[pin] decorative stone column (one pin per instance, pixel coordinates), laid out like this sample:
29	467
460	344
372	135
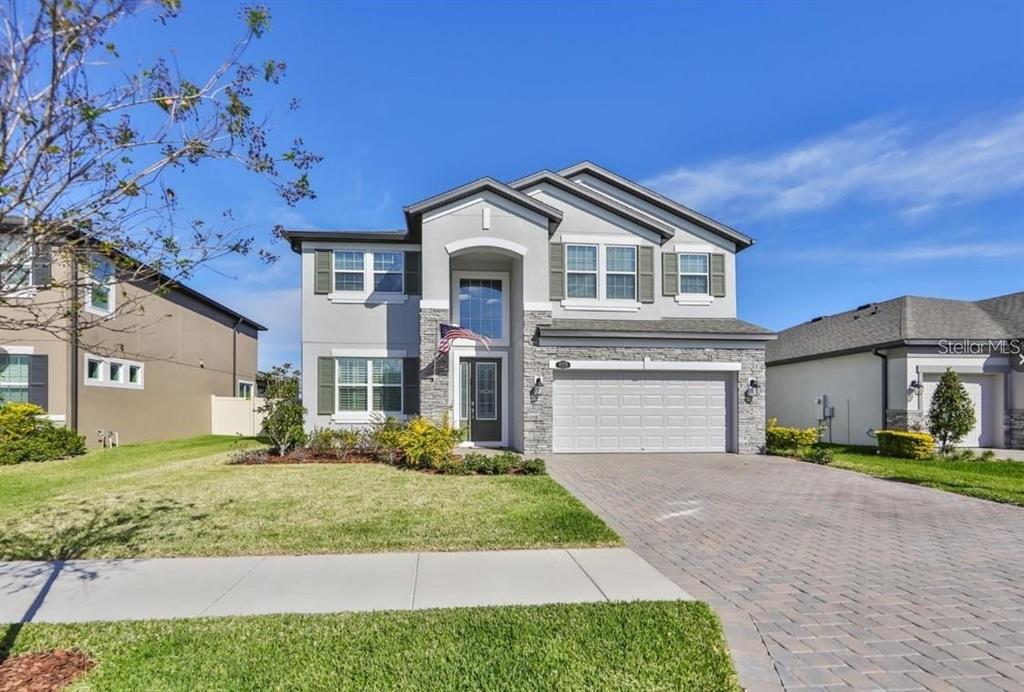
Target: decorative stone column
434	388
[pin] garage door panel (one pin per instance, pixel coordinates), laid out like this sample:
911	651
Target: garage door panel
634	412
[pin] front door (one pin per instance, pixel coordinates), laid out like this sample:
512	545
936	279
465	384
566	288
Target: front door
480	399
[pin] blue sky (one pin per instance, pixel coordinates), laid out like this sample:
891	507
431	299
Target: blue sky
872	149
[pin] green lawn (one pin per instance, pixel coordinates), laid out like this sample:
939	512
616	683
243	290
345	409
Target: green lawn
1002	481
181	498
600	646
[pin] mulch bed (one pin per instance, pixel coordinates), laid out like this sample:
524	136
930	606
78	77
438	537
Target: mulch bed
43	672
302	456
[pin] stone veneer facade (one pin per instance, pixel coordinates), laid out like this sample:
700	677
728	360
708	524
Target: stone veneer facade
1015	429
537	406
896	419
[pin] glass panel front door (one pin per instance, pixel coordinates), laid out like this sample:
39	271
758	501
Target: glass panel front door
481	384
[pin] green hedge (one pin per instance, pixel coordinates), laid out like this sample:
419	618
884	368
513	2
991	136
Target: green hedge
27	435
905	445
788	441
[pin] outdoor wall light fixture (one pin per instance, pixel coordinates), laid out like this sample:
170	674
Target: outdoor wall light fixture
915	388
537	384
753	389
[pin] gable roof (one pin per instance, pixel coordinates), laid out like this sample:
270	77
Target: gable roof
603	201
414	212
907	320
11	223
742	240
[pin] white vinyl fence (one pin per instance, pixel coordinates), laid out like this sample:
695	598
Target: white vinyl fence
235	416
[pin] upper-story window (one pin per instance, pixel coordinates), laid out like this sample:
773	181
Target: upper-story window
388	272
600	272
348	270
481	306
100	297
355	270
693	273
13	378
581	271
620	272
15	262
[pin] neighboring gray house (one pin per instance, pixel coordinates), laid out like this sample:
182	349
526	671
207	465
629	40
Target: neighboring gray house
611	312
901	347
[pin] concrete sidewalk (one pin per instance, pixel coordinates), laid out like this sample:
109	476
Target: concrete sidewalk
84	590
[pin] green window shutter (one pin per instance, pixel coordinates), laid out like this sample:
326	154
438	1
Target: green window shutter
412	273
718	275
411	386
322	261
38	380
556	271
325	386
669	273
41	265
645	265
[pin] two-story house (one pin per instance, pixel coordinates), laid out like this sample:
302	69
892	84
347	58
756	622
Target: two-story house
610	313
133	374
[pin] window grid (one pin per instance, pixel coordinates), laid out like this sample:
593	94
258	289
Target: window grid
369	384
14	373
481	306
694	273
581	271
620	272
389	272
18	275
348	270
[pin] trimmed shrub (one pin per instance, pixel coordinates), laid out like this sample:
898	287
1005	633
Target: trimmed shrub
787	441
533	467
426	444
384	439
819	454
905	445
332	443
475	461
951	414
27	435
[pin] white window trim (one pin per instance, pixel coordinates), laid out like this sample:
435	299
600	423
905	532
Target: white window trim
19	351
602	303
693	298
457	276
456	355
238	385
28	290
367	296
105	380
357	416
111	285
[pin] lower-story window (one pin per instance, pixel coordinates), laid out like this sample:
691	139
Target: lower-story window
13	379
370	384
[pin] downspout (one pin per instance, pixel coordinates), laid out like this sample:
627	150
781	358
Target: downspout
73	403
234	357
885	383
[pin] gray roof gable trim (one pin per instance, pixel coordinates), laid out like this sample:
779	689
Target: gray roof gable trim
742	240
906	320
682	328
296	237
414	212
662	229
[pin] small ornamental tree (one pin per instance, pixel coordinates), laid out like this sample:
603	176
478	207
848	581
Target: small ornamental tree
951	415
284	413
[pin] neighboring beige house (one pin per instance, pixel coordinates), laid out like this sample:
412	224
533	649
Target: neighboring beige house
146	374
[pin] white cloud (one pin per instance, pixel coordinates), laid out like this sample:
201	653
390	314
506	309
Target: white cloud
921	253
880	159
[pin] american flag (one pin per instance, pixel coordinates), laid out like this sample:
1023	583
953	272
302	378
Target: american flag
451	332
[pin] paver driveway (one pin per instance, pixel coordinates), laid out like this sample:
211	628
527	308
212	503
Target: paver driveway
822	576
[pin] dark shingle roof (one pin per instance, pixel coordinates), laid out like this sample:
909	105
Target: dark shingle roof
899	321
695	327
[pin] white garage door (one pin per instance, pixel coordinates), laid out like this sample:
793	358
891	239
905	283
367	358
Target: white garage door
987	398
640	412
